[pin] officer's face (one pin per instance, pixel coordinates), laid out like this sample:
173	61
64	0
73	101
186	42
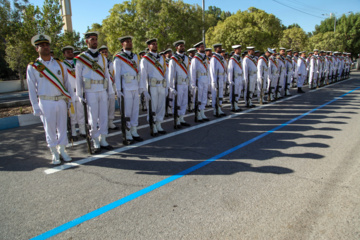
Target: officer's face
208	53
303	55
69	54
282	52
92	42
316	52
181	48
191	54
237	51
153	47
251	52
201	48
127	44
43	49
105	52
168	54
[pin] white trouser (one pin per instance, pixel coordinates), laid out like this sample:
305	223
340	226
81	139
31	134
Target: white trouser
259	87
203	87
340	72
213	92
300	81
272	82
132	101
111	104
158	98
78	116
250	85
182	98
239	86
97	103
282	83
313	78
54	119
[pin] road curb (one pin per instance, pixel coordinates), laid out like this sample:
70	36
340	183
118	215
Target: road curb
18	121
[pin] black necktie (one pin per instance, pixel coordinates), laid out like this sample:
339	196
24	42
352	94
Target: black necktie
94	55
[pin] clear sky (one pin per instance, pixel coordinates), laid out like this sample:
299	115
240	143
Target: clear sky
308	13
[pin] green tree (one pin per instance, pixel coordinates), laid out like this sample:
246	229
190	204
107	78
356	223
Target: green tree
166	20
294	38
19	51
328	41
251	27
347	28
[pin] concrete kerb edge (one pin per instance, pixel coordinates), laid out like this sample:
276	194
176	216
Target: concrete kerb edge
18	121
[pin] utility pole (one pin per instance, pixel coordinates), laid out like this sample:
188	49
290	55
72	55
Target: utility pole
203	21
66	14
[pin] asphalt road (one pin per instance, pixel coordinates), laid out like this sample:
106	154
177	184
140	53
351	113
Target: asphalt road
277	180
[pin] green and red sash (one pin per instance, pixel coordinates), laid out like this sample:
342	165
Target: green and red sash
289	60
126	60
49	75
155	63
281	60
198	57
214	56
91	64
181	65
304	62
71	72
247	56
236	61
274	62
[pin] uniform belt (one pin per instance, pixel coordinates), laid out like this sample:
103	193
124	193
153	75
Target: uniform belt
199	74
129	77
238	74
221	74
52	98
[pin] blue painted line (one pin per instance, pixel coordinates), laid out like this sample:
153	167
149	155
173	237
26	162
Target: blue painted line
9	122
170	179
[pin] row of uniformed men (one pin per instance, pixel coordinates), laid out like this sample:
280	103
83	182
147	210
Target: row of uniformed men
91	79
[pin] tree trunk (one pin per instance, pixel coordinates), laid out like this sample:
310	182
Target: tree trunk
21	80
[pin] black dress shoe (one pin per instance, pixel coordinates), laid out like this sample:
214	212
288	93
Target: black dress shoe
138	139
177	127
185	124
97	150
108	147
205	119
252	106
161	132
83	135
300	90
223	114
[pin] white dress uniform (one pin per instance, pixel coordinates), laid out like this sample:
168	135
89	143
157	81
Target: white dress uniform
217	76
294	62
199	71
301	71
78	116
250	77
289	74
49	103
273	77
153	77
341	66
178	75
111	102
262	75
235	77
127	80
97	89
313	70
282	82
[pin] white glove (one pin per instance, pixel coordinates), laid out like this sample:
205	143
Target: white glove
173	91
82	100
194	88
147	96
119	93
37	112
231	83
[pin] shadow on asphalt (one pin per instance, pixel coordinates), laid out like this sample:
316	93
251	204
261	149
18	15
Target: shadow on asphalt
24	150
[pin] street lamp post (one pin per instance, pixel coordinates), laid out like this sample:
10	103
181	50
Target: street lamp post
203	21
